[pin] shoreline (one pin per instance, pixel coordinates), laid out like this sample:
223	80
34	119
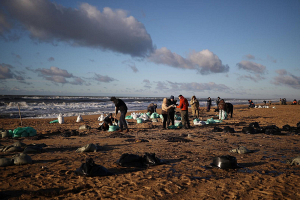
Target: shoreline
188	154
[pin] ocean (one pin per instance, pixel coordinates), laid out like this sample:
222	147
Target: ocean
52	106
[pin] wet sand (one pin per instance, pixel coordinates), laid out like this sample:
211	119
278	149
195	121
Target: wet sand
264	174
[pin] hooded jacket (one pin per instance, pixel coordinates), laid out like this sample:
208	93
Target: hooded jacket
183	104
165	107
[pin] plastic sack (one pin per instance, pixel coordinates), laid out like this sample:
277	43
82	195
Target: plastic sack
129	117
101	118
139	120
178	124
113	128
177	117
89	168
154	115
54	121
60	119
79	118
24	132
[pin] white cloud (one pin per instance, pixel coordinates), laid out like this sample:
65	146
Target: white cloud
5	72
250	57
205	61
102	78
54	71
281	71
287	79
252	67
87	26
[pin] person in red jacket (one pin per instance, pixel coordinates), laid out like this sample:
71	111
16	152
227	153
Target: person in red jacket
184	106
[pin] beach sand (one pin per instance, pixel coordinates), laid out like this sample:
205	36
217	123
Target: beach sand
264	174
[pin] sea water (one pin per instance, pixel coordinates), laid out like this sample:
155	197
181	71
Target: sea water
52	106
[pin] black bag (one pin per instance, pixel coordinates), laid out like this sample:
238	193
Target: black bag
89	168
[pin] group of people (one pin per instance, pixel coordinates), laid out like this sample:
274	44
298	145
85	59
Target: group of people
168	111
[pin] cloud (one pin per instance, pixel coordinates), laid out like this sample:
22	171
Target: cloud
192	87
147	83
16	56
281	71
287	79
5	72
134	69
50	59
255	78
250	57
205	61
270	58
54	71
251	67
49	22
105	79
77	81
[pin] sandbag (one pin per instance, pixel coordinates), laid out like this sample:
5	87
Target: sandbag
79	118
225	162
6	162
54	121
24	132
294	161
60	119
154	115
4	134
129	117
33	149
22	159
90	169
139	120
241	150
130	160
113	128
87	148
151	159
12	148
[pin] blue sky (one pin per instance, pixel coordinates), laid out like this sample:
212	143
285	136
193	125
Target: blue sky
231	49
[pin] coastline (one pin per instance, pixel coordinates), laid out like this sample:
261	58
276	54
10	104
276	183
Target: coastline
264	174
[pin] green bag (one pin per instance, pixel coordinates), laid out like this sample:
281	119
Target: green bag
129	117
113	128
139	120
24	132
54	121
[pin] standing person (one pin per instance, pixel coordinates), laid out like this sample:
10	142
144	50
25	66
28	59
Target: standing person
164	111
222	113
208	104
171	111
184	105
217	101
120	105
195	107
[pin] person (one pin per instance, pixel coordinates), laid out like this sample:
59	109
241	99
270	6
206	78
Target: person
280	101
251	104
171	111
195	107
265	102
120	105
184	105
208	104
151	108
294	102
164	111
108	120
222	112
217	101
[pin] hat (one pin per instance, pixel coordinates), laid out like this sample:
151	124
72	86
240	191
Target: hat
172	97
180	95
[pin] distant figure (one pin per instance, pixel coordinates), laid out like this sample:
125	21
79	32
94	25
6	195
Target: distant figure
171	111
184	106
108	120
264	102
151	108
164	111
195	107
217	101
120	105
251	104
222	112
280	101
294	102
208	104
283	101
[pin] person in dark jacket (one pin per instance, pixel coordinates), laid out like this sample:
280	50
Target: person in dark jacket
120	105
151	108
251	104
218	100
171	111
208	104
184	106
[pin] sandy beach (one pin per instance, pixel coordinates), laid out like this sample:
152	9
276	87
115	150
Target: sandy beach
187	155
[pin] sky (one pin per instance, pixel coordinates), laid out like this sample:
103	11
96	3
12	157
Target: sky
231	49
